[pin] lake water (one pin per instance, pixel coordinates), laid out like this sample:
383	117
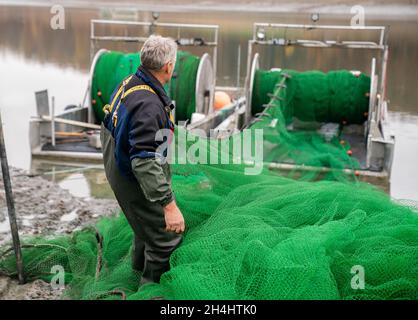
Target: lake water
34	57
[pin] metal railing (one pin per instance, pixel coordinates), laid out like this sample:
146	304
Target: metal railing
317	43
151	26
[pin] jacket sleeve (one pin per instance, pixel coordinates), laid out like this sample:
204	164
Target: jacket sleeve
146	165
152	180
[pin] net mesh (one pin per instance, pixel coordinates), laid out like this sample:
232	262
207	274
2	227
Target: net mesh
262	236
336	96
182	87
255	237
113	66
292	106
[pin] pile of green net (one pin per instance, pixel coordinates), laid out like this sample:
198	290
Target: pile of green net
262	236
113	66
250	237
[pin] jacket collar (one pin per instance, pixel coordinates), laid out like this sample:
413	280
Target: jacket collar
146	76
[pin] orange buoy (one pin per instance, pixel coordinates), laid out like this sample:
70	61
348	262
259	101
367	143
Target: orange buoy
357	173
222	99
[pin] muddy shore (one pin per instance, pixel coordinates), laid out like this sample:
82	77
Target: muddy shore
43	208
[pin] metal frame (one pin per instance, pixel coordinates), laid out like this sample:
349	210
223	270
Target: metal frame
215	118
87	97
317	43
249	92
379	145
151	26
373	94
381	46
199	77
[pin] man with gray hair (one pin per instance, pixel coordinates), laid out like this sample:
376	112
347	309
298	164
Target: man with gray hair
138	175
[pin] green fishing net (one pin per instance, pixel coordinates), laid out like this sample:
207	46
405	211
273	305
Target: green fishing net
336	96
292	108
113	66
249	237
182	87
262	236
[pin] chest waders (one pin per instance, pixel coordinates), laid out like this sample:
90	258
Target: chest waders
152	245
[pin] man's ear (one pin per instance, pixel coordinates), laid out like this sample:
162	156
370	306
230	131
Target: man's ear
167	68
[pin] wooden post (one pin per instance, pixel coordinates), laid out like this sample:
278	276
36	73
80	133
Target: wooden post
11	207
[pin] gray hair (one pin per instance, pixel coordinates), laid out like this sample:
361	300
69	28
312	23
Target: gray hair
157	51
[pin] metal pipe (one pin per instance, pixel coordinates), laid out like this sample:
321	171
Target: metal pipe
187	25
215	56
373	93
11	207
159	24
138	23
92	41
238	65
53	121
142	39
72	122
382	37
307	26
248	81
321	44
382	84
354	44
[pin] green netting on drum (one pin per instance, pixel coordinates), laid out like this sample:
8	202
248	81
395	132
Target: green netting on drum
112	67
335	96
182	88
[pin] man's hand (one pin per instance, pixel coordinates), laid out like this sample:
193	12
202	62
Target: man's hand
174	220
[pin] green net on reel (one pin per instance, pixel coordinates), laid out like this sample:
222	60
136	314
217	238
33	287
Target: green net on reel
264	83
305	146
335	96
113	66
262	236
182	86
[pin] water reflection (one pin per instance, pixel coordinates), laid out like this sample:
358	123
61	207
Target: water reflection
80	180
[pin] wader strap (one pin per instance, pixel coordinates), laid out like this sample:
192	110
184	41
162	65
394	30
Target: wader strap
124	95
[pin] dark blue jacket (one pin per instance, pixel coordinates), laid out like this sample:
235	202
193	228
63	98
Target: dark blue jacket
139	107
